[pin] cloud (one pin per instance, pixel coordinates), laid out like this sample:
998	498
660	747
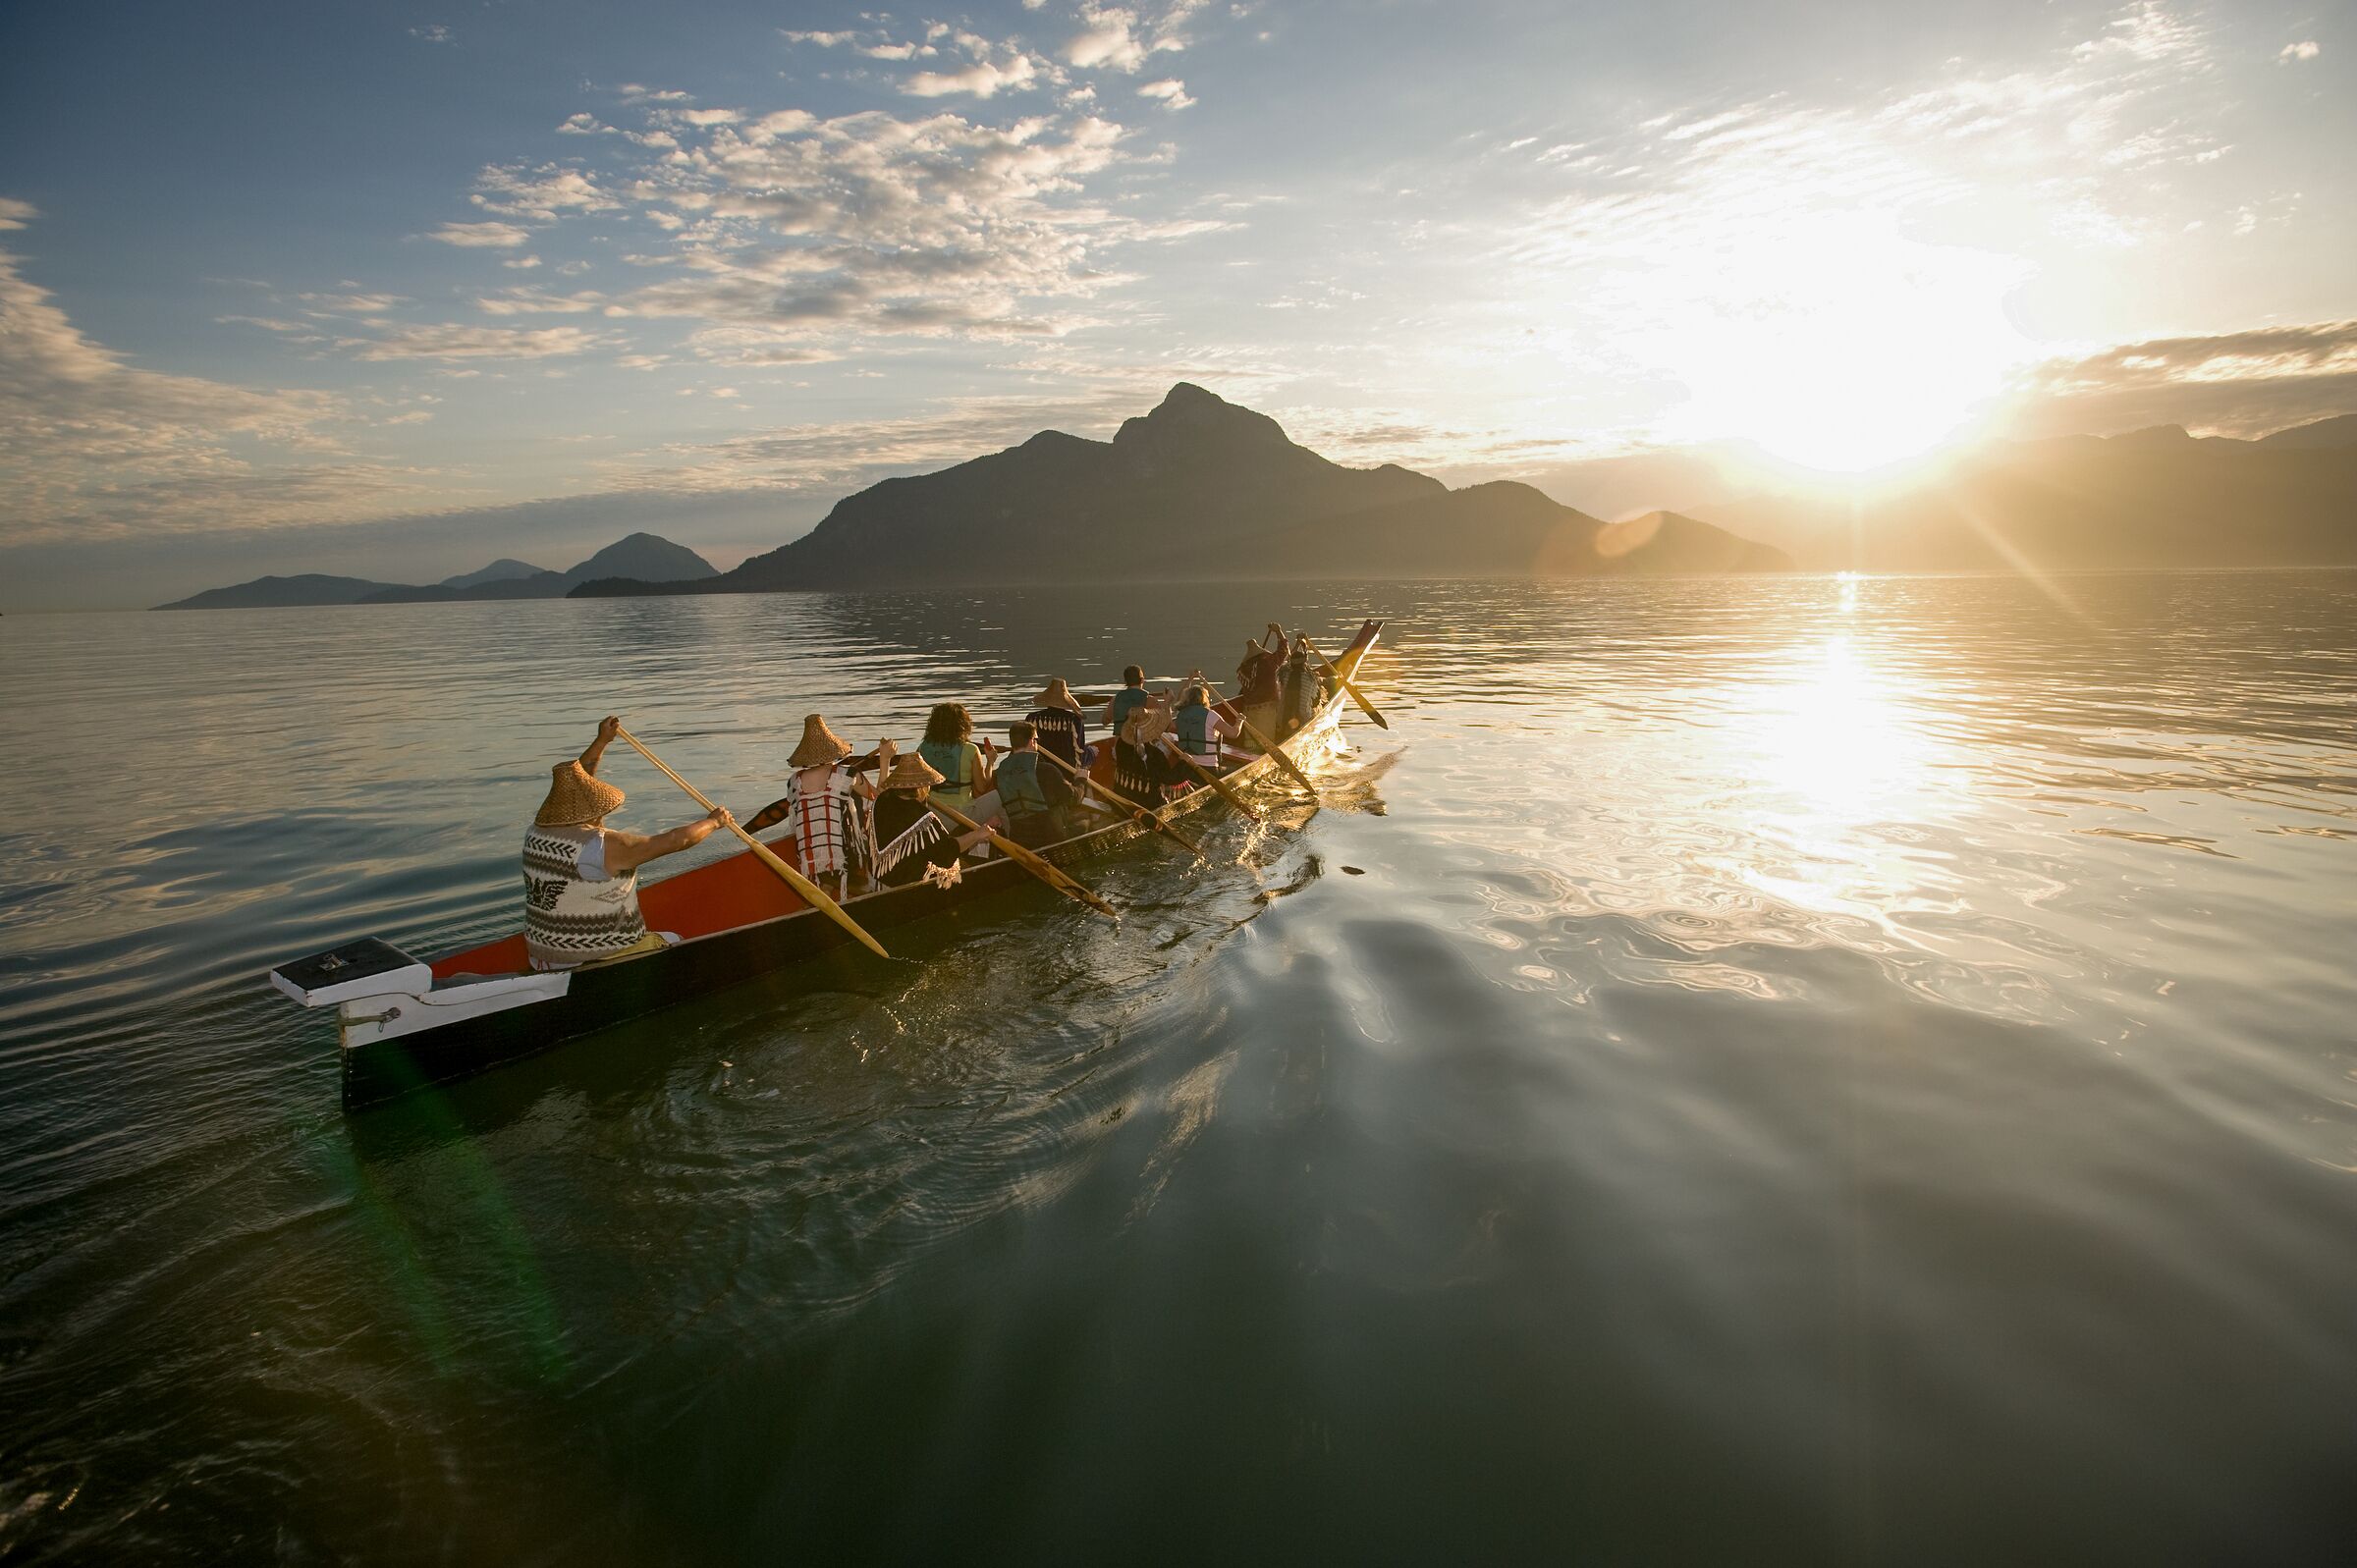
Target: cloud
2239	383
435	32
544	192
984	79
501	236
1171	91
1107	39
2305	49
93	448
797	232
452	341
14	214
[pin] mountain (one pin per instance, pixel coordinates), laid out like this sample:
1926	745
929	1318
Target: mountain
2339	431
643	557
500	571
279	593
1199	486
2151	498
638	557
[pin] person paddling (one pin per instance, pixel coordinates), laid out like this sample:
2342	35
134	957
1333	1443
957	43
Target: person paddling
1032	792
1126	701
1257	678
1199	726
1063	729
580	877
912	838
1140	767
948	747
827	807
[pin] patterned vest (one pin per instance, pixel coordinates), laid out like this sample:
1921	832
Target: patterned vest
830	828
569	919
1020	792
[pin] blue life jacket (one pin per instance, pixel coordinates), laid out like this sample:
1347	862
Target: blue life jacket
1125	702
1020	792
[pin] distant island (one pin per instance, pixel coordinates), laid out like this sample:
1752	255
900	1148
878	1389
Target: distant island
2158	497
642	556
1201	487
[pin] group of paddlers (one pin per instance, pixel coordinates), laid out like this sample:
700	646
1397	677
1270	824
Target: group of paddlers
853	832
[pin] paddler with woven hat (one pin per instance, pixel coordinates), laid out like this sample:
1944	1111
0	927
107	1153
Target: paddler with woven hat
1060	725
910	838
1141	770
826	807
581	877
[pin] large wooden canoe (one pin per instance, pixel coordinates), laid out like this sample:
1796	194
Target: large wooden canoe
405	1022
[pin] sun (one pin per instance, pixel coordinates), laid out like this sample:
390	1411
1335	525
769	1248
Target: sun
1836	343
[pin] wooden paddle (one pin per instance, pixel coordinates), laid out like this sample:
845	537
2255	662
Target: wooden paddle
1030	861
1152	819
813	894
1343	682
1266	747
1220	785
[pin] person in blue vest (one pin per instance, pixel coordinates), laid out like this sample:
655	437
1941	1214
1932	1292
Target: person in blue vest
1200	727
1033	794
1132	696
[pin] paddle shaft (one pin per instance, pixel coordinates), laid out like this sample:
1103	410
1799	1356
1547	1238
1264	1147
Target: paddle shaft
1154	818
1029	861
1345	683
1215	782
813	895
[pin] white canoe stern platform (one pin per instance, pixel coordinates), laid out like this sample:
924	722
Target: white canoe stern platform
383	992
390	1016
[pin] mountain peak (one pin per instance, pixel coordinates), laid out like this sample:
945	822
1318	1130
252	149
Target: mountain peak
1190	417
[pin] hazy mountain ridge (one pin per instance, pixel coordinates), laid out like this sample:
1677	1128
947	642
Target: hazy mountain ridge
643	557
1199	487
2157	496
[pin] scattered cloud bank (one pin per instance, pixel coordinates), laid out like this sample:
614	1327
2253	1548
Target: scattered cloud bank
92	448
2237	384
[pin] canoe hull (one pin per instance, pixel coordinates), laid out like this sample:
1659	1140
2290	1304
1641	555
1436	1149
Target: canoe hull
394	1046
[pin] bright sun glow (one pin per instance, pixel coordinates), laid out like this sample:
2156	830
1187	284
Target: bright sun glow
1833	340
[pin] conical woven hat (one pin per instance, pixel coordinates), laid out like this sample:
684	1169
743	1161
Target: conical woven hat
1149	724
820	745
912	772
575	796
1058	696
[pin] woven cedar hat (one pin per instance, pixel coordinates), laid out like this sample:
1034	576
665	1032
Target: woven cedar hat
1058	696
909	771
575	796
1149	724
820	745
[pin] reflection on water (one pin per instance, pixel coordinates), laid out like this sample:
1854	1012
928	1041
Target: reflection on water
1822	1068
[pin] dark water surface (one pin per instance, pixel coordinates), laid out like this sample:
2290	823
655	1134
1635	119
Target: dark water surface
1786	1071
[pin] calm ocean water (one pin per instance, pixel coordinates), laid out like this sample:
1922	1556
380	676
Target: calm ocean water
1797	1070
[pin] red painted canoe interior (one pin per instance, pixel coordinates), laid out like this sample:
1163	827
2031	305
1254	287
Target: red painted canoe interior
727	893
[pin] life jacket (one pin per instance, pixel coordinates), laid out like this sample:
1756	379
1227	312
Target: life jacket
959	764
1125	702
1020	792
569	919
1195	738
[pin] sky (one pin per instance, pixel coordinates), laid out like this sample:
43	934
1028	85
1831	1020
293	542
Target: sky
388	289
